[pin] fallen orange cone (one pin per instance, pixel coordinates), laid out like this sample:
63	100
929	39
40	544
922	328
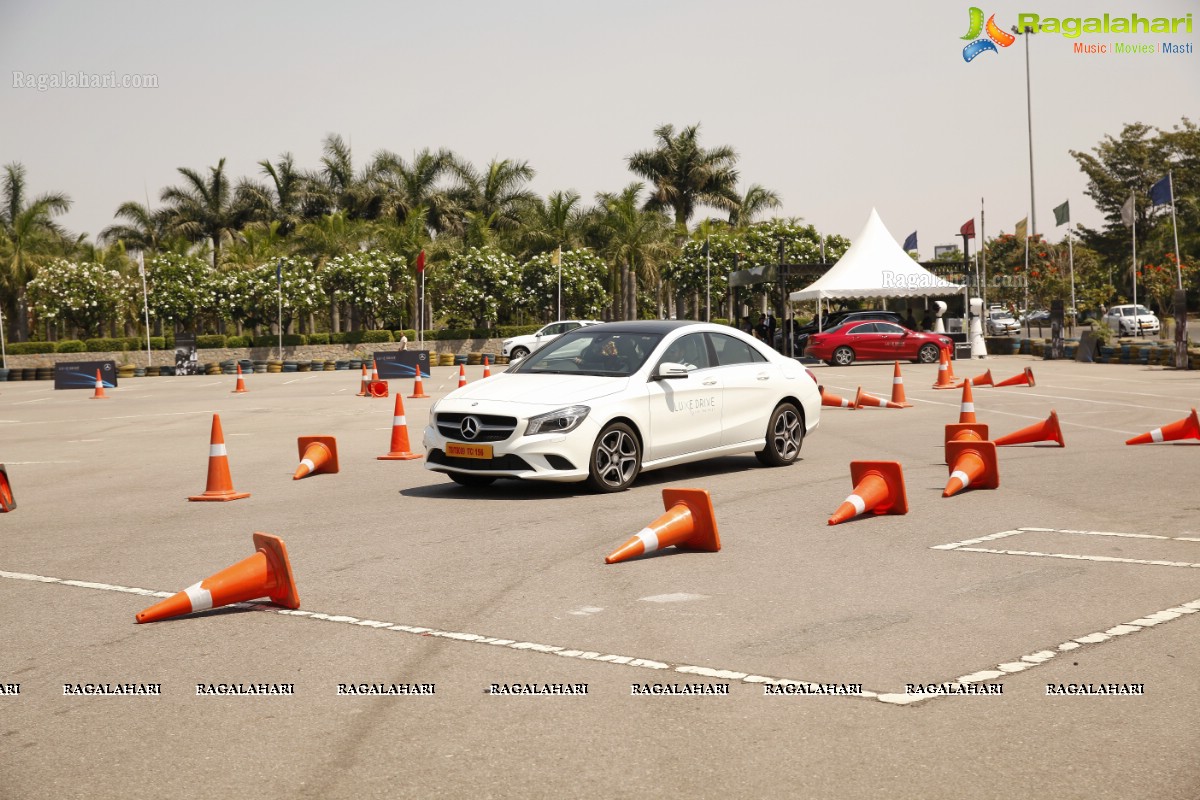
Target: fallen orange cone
220	485
418	386
377	388
964	432
878	488
7	503
400	446
462	376
317	454
1048	430
1023	379
971	464
945	376
867	399
689	522
1186	428
898	397
99	393
240	388
966	410
828	399
267	573
983	380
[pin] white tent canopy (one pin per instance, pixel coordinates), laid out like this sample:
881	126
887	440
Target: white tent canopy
875	266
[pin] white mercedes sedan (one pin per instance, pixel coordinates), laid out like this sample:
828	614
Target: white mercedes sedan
605	402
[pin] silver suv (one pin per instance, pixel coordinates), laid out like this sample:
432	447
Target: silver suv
521	346
1131	320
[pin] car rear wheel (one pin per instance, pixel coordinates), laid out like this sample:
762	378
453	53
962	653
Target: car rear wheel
467	479
928	354
519	352
616	459
785	436
843	356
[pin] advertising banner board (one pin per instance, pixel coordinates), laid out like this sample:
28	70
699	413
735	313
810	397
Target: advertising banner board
82	374
402	363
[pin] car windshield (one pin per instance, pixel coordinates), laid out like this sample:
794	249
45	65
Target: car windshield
1140	311
587	352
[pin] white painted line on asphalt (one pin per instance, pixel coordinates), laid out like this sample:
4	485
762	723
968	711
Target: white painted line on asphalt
82	441
678	597
27	402
584	611
39	462
965	546
1074	557
459	636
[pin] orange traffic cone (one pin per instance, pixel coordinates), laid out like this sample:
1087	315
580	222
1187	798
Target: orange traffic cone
400	445
963	432
898	397
966	411
462	376
1038	432
1024	379
317	454
828	399
689	522
878	488
945	377
984	380
418	387
7	503
971	464
487	368
267	573
99	393
377	388
241	382
866	399
362	389
1186	428
220	485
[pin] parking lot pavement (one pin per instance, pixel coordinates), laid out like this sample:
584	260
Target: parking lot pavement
918	649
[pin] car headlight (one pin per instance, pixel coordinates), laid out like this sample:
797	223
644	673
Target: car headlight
561	421
506	342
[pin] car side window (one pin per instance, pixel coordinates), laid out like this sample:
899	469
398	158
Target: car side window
887	327
690	350
733	351
552	330
866	327
567	326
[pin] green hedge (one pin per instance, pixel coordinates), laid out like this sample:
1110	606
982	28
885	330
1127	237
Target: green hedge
237	341
361	337
462	333
318	338
103	345
508	331
70	346
162	342
377	337
289	340
411	333
29	348
210	341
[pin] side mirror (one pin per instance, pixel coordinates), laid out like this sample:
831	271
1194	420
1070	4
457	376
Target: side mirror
669	370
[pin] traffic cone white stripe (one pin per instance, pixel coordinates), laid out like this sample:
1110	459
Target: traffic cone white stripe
859	505
307	462
649	539
963	477
968	408
399	421
1156	435
897	381
215	450
200	598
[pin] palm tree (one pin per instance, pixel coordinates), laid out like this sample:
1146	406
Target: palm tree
637	242
208	208
283	200
335	186
407	187
498	195
327	237
685	175
145	230
28	236
756	200
557	221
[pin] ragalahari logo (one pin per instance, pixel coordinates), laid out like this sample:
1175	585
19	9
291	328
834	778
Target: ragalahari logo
995	36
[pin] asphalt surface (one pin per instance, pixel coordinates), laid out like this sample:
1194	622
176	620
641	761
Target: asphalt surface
405	578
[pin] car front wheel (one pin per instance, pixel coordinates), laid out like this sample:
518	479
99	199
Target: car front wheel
519	352
928	354
843	357
785	436
616	459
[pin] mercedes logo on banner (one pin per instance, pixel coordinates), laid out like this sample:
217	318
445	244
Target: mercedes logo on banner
469	428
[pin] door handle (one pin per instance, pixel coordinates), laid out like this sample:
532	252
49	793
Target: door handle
710	382
762	376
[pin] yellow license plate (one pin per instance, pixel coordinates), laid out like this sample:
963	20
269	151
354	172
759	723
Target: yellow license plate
468	450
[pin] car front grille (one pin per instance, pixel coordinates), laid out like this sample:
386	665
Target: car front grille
492	427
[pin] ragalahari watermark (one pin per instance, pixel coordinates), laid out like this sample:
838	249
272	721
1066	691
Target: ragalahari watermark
44	81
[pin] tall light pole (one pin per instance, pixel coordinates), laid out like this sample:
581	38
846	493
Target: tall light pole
1027	32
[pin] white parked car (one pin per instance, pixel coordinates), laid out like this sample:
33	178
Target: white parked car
521	346
1129	320
1001	323
605	402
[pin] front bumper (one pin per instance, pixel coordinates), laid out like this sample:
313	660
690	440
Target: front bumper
544	457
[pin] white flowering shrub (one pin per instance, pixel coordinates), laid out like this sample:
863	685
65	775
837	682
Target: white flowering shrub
482	284
378	284
583	279
178	288
83	296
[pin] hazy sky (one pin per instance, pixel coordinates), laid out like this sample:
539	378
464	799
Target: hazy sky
837	106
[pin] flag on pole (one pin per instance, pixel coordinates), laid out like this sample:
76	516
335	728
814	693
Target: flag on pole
968	229
279	272
141	264
704	250
1127	212
910	243
1062	214
1160	193
556	257
1022	228
421	261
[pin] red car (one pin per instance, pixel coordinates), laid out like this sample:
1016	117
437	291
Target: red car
876	341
